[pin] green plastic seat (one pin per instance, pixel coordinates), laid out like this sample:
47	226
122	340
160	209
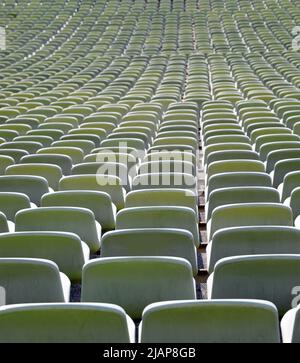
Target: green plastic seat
65	249
62	161
237	179
239	165
27	280
212	321
290	182
149	279
55	134
30	146
95	139
165	181
232	155
109	184
8	135
253	240
282	168
162	197
150	242
65	323
74	153
11	203
52	173
165	166
98	202
124	142
129	160
5	162
44	140
85	145
4	226
249	214
264	277
266	139
279	155
227	139
266	149
80	221
159	217
237	195
32	186
104	168
266	131
225	147
190	141
53	126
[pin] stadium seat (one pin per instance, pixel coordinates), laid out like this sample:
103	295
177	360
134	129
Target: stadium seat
63	161
29	280
80	221
5	162
32	186
251	240
65	249
11	203
65	323
212	321
150	242
237	179
159	217
236	195
98	202
249	214
162	197
149	279
52	173
109	184
264	277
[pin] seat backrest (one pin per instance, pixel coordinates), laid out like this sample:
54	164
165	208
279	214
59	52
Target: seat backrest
150	242
238	179
75	153
63	161
235	195
159	217
65	249
109	184
98	202
80	221
52	173
5	161
253	240
11	203
228	166
232	155
266	149
282	168
33	186
65	323
278	155
165	180
149	279
290	182
250	214
263	277
221	321
162	197
28	280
